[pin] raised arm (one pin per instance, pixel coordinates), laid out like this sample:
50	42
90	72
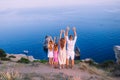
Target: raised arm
67	30
54	39
60	34
74	30
64	32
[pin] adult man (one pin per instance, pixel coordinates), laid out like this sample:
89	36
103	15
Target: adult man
70	46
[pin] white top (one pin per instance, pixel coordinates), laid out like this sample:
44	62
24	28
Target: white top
71	43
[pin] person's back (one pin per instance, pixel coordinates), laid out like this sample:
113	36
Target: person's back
50	48
55	55
62	51
71	43
50	52
70	46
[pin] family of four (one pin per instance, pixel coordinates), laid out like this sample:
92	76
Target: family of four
59	53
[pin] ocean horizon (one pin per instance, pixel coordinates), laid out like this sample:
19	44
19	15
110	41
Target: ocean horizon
97	24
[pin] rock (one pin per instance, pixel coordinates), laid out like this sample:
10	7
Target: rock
117	53
77	53
19	56
1	62
87	60
117	73
90	61
35	64
31	58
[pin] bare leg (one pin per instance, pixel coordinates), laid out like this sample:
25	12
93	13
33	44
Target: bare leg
49	61
60	66
54	64
63	66
67	63
72	63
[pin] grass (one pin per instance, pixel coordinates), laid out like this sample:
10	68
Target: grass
13	75
5	59
77	61
12	56
94	70
41	61
107	64
47	76
23	60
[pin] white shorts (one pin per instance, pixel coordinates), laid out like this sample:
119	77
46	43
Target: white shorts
50	54
70	54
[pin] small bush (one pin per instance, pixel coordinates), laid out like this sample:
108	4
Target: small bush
23	60
41	61
12	56
77	61
5	59
2	53
37	61
107	64
116	70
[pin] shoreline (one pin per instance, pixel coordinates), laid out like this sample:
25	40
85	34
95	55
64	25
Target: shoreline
33	58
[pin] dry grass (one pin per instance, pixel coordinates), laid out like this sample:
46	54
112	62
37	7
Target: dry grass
10	75
47	76
94	70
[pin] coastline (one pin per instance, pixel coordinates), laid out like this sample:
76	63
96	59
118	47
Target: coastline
42	71
24	66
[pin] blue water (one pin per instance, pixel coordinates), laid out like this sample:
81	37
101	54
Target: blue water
98	30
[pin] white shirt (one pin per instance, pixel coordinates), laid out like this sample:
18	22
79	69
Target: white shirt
71	43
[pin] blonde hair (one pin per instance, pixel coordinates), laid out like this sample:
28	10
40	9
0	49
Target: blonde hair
55	47
50	45
62	43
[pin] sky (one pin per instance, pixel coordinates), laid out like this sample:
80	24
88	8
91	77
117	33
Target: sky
16	4
26	10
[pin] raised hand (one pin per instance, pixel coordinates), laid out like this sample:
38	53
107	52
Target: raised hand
74	29
68	28
54	38
63	31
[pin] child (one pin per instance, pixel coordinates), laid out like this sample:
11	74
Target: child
50	52
55	55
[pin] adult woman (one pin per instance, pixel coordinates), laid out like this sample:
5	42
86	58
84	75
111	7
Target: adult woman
62	50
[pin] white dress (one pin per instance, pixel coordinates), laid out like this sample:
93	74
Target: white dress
62	56
50	54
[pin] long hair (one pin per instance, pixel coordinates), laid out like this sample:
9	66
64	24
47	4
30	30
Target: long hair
55	47
50	45
62	43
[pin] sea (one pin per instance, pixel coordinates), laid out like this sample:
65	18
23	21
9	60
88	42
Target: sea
98	29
